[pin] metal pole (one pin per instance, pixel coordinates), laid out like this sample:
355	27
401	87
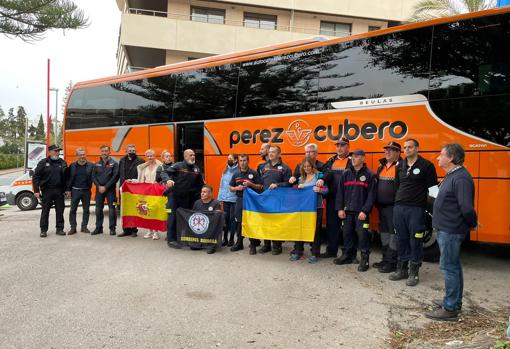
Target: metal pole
26	144
48	120
56	113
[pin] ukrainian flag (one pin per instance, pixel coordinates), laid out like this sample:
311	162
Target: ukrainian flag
286	214
143	206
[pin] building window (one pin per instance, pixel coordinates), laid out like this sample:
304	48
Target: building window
255	20
335	29
372	28
207	15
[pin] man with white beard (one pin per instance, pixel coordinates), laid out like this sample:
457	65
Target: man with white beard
184	182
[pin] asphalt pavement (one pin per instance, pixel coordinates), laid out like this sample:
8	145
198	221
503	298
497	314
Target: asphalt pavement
103	291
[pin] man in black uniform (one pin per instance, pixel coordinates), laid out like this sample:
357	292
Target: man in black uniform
414	176
49	182
333	170
185	182
207	203
244	178
127	170
274	174
79	184
386	190
105	176
354	201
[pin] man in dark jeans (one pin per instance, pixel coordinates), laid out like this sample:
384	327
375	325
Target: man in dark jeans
453	216
105	176
128	170
79	184
49	182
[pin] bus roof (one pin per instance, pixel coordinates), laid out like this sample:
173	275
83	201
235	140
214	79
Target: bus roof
271	50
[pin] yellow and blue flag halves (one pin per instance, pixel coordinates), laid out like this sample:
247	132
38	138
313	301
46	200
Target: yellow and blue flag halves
286	214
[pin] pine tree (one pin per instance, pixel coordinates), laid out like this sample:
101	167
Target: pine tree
40	133
30	19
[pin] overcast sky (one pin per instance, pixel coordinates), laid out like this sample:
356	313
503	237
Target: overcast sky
75	55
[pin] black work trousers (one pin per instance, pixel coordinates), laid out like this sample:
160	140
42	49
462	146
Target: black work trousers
78	195
174	202
111	198
52	196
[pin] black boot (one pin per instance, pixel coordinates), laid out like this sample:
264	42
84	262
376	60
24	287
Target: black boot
277	248
231	240
401	272
413	278
266	247
345	258
388	267
238	246
225	238
363	264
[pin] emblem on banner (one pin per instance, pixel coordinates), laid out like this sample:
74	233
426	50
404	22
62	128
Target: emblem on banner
198	223
142	207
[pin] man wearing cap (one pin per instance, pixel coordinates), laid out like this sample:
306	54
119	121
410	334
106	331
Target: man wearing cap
333	170
105	176
49	182
386	190
414	176
354	201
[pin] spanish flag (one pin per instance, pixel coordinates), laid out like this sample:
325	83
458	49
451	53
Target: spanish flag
143	206
286	214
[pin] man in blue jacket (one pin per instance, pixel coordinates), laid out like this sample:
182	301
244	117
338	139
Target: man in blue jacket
79	183
105	176
354	200
453	216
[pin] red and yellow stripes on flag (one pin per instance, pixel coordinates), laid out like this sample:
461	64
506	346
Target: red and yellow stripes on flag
143	206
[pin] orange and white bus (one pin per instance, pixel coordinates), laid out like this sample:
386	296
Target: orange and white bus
445	80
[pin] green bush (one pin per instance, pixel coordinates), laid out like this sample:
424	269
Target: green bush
9	161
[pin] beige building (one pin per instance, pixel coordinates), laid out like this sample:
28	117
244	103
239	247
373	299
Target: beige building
159	32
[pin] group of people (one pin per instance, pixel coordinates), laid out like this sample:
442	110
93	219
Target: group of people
347	189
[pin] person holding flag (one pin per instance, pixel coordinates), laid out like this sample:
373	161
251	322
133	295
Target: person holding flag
274	174
184	183
309	175
147	172
244	178
207	203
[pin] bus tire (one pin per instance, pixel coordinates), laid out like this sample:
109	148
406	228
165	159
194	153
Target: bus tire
431	252
26	201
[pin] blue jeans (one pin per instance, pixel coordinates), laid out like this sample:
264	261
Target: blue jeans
450	266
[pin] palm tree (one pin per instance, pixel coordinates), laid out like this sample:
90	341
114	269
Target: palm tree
429	9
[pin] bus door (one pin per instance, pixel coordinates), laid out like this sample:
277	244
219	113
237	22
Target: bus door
190	136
